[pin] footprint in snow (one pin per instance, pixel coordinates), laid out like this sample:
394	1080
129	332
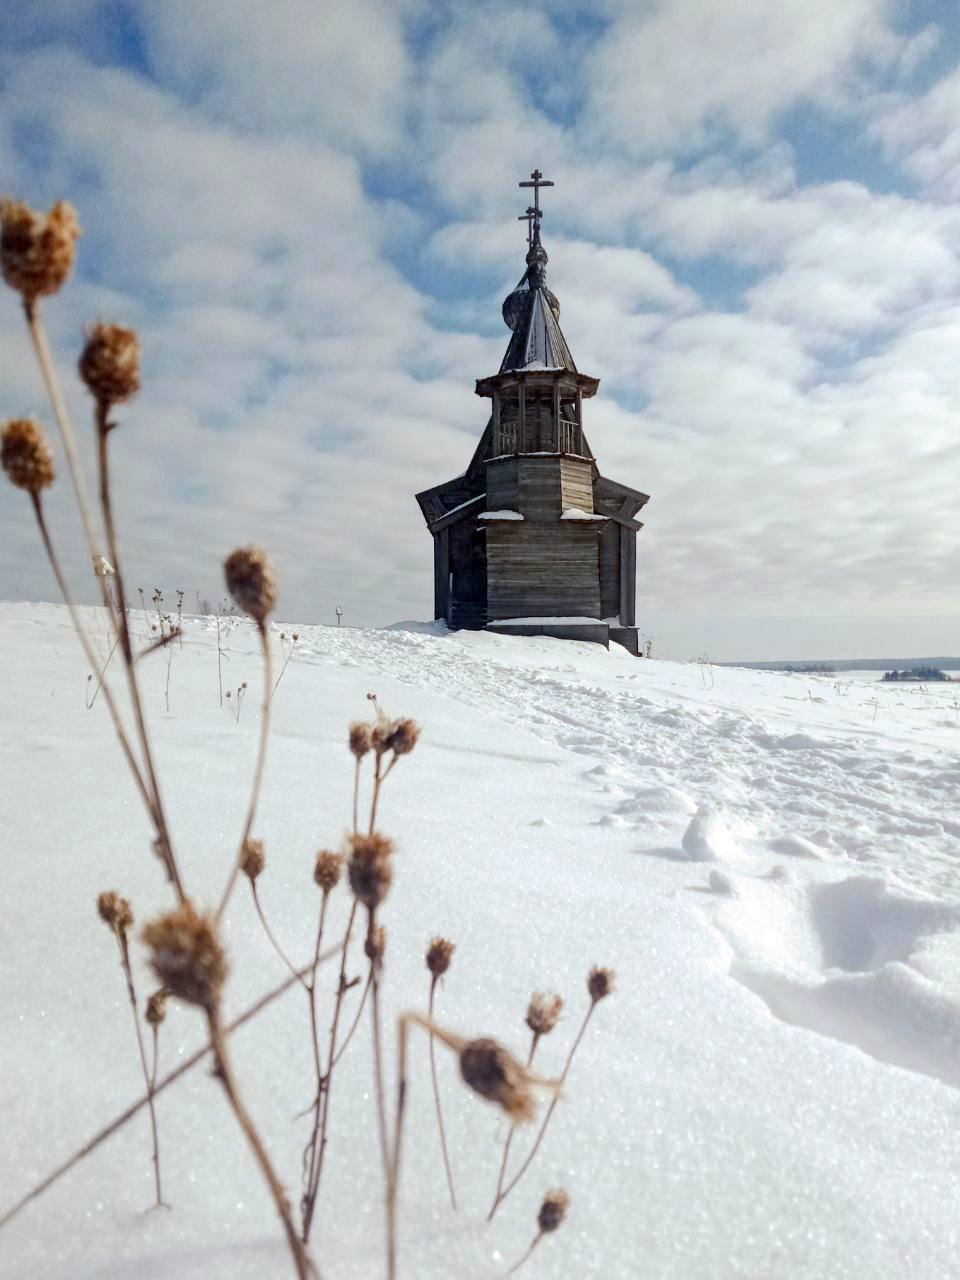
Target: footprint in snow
858	960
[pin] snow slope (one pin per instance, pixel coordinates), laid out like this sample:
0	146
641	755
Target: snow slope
771	863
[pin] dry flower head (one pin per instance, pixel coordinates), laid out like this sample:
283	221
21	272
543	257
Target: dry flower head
599	983
110	363
26	456
251	582
375	945
553	1210
251	858
156	1008
369	868
360	738
439	954
327	869
402	737
490	1070
115	911
36	249
543	1012
187	956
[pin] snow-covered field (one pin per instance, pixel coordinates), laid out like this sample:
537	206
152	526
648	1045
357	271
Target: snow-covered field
771	864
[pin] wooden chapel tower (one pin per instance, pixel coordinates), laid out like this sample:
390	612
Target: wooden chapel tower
532	539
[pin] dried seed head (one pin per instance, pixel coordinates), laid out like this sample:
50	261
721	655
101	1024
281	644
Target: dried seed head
369	868
27	458
375	945
36	249
110	363
379	733
553	1210
328	869
251	582
402	737
439	954
156	1007
251	859
543	1012
497	1076
599	983
360	741
115	911
187	955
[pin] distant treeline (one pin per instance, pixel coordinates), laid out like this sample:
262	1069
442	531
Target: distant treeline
918	674
851	664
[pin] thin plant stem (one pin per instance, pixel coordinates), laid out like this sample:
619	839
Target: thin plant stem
506	1146
41	348
311	1150
356	796
124	1117
517	1265
148	1078
219	659
258	768
224	1071
378	1054
546	1119
310	1199
126	649
103	671
272	940
436	1098
393	1174
286	663
378	780
354	1024
90	656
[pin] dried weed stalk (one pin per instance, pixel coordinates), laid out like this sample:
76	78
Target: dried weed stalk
117	914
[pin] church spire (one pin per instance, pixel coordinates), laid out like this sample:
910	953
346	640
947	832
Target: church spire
531	310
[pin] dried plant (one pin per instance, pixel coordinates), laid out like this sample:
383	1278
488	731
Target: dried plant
438	957
599	986
287	654
488	1069
186	944
117	914
543	1013
553	1210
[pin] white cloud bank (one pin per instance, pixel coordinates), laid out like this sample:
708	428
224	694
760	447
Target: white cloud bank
309	214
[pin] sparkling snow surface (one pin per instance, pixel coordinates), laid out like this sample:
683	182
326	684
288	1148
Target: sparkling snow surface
771	864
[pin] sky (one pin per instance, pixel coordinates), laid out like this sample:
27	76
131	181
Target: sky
309	211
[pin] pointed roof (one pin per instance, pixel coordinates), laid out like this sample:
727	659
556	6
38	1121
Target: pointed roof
533	313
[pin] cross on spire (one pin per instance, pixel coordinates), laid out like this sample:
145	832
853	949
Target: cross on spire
536	213
528	219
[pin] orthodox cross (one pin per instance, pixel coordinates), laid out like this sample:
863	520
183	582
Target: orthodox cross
534	214
528	219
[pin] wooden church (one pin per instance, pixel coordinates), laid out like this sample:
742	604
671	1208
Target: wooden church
532	539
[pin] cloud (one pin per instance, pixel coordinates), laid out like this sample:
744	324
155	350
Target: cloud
682	73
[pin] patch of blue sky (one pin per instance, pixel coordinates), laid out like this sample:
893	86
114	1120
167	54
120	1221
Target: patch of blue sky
128	46
720	282
554	84
913	16
827	148
630	398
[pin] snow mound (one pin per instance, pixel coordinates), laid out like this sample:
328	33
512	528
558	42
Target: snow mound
707	839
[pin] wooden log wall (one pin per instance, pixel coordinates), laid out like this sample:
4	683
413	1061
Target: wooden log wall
542	570
576	484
